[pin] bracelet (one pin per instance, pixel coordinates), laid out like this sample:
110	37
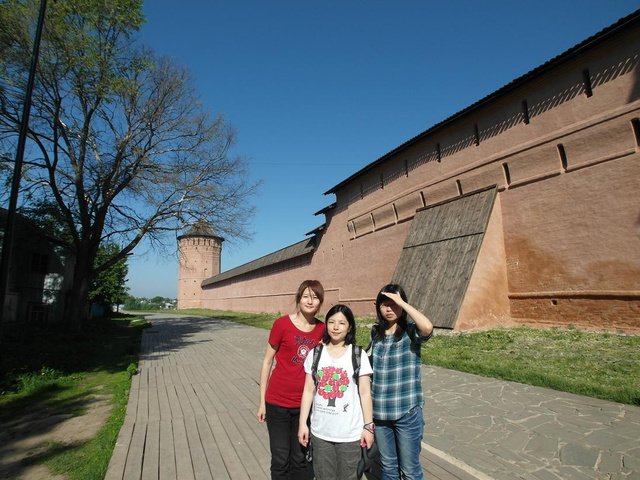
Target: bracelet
370	427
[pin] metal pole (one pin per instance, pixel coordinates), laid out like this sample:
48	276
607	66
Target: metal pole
7	241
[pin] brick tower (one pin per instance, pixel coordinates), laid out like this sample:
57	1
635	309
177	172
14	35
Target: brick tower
199	258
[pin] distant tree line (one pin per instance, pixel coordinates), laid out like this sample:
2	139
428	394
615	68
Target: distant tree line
142	303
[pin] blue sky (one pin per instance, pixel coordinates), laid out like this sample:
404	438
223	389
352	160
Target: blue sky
317	90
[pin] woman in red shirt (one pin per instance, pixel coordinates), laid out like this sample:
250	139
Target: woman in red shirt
292	337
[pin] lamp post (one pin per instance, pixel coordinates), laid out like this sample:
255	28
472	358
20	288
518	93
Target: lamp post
7	241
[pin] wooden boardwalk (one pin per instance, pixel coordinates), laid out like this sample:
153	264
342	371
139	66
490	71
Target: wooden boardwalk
191	410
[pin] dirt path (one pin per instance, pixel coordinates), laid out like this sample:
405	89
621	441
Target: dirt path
26	441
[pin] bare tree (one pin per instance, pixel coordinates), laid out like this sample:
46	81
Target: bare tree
118	139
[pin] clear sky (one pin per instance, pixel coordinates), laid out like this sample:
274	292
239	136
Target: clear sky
319	89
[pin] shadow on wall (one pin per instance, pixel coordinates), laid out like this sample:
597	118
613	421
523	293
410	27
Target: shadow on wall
634	94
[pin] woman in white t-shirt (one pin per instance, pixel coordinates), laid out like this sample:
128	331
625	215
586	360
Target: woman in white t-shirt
342	415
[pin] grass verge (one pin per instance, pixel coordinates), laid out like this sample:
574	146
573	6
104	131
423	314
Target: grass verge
55	373
594	364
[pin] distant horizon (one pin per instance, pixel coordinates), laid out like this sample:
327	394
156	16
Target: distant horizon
318	93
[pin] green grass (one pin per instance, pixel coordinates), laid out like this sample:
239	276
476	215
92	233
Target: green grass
600	365
594	364
60	373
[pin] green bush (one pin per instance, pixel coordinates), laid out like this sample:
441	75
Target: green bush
34	382
132	369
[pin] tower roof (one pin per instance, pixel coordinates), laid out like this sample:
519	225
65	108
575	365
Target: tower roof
201	229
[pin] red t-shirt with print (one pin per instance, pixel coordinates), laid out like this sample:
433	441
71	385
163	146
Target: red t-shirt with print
292	346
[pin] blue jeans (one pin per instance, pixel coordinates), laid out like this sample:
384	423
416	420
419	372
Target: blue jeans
287	455
399	442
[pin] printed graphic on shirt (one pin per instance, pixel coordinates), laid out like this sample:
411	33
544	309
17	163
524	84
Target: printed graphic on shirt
333	383
304	345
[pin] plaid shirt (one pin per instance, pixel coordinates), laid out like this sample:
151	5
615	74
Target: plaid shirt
397	386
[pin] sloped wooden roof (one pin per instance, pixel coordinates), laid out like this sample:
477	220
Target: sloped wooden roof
440	253
292	251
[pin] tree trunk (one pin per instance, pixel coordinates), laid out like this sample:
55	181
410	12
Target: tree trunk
76	309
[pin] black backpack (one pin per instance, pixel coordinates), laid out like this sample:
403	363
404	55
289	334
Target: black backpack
356	351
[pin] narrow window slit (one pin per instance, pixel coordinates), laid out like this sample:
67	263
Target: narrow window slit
635	125
507	174
563	157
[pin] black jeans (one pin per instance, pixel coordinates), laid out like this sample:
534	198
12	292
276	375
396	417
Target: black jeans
287	455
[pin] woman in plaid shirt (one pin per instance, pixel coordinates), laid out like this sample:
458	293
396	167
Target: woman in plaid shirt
397	386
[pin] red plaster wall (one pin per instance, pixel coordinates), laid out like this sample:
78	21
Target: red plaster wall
573	246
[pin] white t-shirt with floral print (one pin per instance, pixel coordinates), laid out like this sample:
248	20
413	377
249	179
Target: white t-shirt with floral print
336	415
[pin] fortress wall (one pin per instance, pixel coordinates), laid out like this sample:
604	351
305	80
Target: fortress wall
273	291
562	149
350	271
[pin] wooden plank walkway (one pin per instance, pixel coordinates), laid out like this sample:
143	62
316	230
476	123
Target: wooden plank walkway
191	410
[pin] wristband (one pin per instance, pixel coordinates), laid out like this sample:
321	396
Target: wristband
370	427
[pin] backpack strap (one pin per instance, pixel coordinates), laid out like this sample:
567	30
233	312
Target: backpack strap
369	349
356	360
317	351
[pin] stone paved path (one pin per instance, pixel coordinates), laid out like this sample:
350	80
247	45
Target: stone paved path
508	430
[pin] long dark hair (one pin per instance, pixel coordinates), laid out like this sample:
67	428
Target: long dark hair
382	324
346	311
